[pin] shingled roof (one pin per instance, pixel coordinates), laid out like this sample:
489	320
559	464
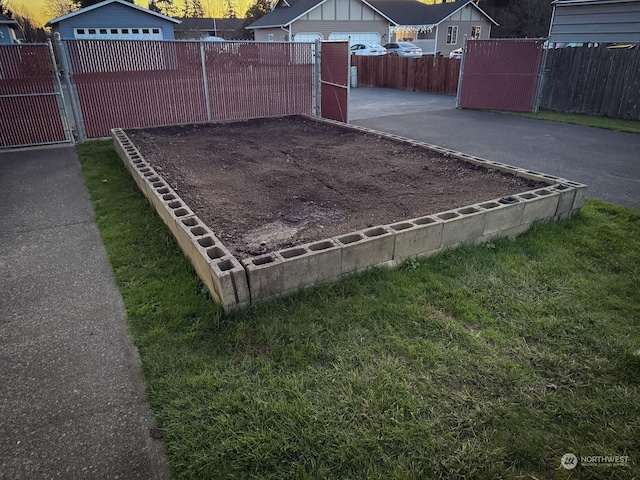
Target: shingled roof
398	12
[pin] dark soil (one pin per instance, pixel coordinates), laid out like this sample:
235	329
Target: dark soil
266	184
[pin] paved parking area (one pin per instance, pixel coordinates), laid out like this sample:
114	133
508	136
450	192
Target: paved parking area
607	161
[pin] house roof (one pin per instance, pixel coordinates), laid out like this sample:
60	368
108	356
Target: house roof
397	12
220	24
286	12
4	20
411	12
108	2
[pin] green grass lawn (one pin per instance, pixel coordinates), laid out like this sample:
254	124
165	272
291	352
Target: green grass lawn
441	369
629	126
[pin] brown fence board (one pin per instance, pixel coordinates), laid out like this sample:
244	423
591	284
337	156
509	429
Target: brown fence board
427	74
593	81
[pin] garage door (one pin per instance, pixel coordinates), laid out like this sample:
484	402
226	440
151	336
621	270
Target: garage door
371	37
146	33
307	37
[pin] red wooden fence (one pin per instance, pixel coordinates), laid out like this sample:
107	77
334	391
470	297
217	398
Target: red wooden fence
435	74
334	80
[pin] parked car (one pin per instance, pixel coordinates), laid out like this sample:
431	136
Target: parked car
212	38
403	49
368	49
457	53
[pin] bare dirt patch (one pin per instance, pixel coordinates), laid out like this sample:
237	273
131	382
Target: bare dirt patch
266	184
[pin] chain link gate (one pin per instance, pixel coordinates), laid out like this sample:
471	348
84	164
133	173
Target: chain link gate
501	74
32	109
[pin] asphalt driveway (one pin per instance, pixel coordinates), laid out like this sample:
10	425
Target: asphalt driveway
607	161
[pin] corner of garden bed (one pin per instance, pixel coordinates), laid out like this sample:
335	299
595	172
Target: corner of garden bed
237	283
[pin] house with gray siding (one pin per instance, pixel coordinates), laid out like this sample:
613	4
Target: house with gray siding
114	20
595	21
438	28
9	29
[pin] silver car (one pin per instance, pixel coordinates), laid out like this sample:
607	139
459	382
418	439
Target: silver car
403	49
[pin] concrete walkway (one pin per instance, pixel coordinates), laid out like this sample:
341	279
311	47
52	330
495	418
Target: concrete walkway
607	161
72	401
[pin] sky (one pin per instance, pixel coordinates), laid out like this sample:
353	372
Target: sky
36	9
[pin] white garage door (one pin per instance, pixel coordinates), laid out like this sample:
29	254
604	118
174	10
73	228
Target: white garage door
371	37
142	33
307	37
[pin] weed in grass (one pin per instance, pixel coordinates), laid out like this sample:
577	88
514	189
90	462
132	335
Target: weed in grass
436	370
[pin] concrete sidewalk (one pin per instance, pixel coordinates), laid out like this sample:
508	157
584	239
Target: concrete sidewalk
607	161
72	403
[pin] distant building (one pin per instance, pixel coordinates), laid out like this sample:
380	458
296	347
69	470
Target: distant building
9	31
208	27
114	20
595	21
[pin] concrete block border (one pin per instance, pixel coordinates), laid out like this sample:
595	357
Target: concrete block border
237	283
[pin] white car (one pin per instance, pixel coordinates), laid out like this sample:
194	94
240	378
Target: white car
368	49
403	49
457	53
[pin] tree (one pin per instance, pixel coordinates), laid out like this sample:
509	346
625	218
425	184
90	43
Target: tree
258	10
57	8
193	9
4	10
230	11
520	18
165	7
88	3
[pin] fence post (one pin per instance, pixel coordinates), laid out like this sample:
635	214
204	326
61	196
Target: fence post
460	75
541	78
73	95
316	78
62	107
204	81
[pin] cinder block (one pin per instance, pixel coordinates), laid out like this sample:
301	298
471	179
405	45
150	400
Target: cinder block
366	248
501	215
581	194
230	281
265	276
464	225
539	205
565	201
310	264
419	237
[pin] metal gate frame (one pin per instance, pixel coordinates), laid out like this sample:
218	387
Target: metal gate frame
334	85
32	111
511	88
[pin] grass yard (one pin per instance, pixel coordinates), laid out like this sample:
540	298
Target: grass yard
443	369
629	126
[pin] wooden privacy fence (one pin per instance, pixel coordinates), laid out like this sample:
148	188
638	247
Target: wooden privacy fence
435	74
593	81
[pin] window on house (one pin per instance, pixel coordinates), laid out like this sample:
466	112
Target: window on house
156	30
103	31
125	31
114	31
452	35
80	31
91	31
135	31
475	31
271	37
145	31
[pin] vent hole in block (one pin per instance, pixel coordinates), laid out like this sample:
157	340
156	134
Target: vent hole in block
424	221
168	197
489	205
181	212
163	190
448	216
174	205
528	196
375	232
321	246
351	238
190	222
294	252
206	242
215	252
225	265
467	211
198	231
262	260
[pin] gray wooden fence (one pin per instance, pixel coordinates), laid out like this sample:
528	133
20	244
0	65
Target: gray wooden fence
593	81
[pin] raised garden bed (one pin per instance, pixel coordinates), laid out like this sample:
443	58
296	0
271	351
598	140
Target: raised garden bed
267	206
